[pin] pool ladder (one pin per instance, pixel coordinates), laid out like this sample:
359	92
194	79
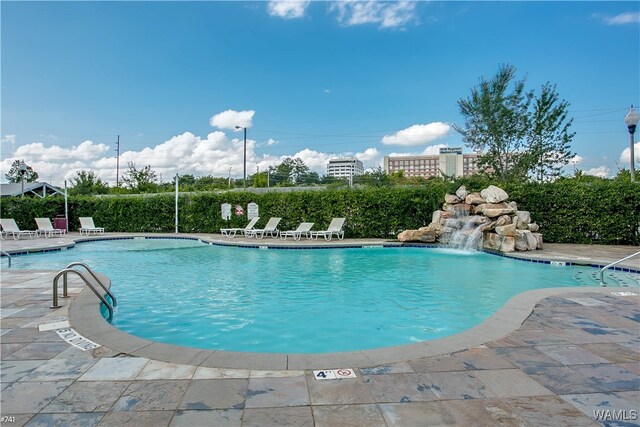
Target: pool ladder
8	255
65	294
612	264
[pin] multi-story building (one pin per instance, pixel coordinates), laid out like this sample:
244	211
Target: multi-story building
451	162
344	168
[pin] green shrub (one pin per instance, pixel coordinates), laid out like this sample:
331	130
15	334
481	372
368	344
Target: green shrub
568	210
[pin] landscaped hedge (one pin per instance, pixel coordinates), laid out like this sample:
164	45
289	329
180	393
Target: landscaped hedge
568	211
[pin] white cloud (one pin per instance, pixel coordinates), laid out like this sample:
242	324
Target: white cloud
288	9
625	156
600	171
433	149
386	14
11	139
183	154
417	134
621	19
38	152
230	119
576	160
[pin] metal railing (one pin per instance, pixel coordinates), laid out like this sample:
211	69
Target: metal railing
8	255
90	271
65	293
612	264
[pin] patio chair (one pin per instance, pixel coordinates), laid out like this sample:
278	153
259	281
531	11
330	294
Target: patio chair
334	228
231	232
271	228
46	228
303	229
87	226
9	227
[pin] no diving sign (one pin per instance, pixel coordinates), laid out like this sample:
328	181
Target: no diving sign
334	374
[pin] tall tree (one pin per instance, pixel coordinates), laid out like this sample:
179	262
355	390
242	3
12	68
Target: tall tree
549	136
290	171
141	180
15	174
516	132
87	182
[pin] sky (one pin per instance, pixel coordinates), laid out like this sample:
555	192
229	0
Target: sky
314	80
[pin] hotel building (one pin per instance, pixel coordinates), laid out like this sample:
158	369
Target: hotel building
345	168
450	162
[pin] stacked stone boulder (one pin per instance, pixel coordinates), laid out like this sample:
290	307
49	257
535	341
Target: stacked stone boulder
504	228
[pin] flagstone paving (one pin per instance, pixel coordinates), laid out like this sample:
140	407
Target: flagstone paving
576	355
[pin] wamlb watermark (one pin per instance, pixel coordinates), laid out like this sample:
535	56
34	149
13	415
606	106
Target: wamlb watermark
615	415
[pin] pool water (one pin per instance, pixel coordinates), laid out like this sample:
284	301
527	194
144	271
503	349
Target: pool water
186	292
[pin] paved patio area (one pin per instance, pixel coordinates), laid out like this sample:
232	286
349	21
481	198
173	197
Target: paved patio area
574	361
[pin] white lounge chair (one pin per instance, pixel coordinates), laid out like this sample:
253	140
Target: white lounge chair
9	227
304	229
334	228
231	232
46	228
271	228
87	226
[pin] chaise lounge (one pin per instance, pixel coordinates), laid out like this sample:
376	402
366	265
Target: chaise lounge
87	226
46	229
303	229
271	228
334	228
9	227
231	232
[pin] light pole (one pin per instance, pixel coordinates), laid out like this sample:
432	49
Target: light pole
23	170
631	120
229	177
244	179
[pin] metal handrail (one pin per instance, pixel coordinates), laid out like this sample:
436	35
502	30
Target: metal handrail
64	273
612	264
8	255
81	264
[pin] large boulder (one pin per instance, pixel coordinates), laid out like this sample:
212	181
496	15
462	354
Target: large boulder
426	236
474	199
503	220
451	199
506	230
494	210
538	237
439	216
462	192
493	194
525	241
524	216
498	243
462	209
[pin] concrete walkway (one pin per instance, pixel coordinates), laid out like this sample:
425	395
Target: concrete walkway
574	361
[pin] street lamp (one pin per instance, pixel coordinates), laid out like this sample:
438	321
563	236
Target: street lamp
23	171
244	180
631	119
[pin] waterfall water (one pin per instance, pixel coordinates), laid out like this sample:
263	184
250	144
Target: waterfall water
467	235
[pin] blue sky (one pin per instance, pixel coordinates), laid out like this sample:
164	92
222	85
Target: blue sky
308	79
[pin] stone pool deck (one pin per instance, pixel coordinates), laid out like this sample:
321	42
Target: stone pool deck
577	352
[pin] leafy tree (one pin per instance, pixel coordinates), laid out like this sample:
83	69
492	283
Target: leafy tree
290	171
549	135
375	178
15	174
187	179
87	182
142	180
516	132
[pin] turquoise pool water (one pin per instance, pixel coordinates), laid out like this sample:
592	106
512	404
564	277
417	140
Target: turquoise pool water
185	292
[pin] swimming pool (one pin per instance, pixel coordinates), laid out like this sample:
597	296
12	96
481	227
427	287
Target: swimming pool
185	292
